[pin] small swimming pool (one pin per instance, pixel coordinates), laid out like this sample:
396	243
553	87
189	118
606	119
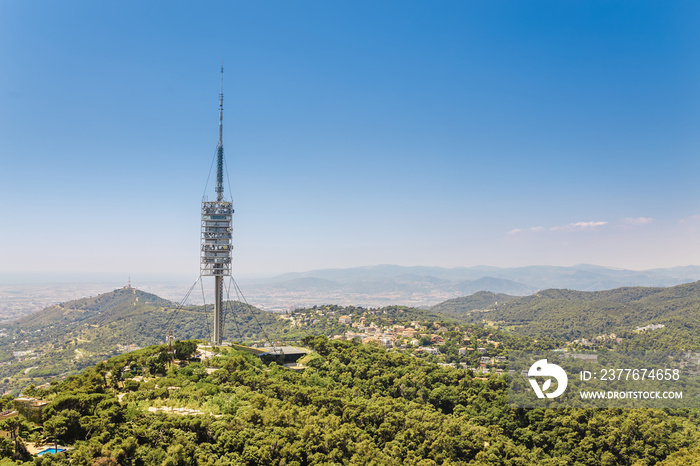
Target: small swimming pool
50	450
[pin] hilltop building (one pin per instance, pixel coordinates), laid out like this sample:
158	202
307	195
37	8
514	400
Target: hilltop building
30	408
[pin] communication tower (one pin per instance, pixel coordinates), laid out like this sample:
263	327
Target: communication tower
217	222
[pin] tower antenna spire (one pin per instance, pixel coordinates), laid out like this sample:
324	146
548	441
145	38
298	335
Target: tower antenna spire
220	145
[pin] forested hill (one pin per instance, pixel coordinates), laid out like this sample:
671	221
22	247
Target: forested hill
106	307
480	300
129	316
571	315
354	404
65	338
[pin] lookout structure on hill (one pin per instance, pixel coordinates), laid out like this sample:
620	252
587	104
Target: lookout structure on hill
217	227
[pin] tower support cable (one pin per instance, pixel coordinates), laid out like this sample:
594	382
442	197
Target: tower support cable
171	318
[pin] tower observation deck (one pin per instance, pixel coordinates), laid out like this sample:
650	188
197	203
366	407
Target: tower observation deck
216	238
217	228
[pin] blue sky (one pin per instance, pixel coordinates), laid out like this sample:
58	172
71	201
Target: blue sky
451	133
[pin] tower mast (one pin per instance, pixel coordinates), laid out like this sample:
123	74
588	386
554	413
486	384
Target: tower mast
216	230
219	278
220	145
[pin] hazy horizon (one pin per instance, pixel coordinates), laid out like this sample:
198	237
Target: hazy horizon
135	278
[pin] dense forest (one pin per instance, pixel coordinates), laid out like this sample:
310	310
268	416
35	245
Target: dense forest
356	404
388	386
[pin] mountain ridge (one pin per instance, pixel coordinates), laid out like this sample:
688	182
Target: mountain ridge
536	273
570	314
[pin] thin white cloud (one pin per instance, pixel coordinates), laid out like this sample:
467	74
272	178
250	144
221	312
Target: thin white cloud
579	226
638	220
526	230
691	219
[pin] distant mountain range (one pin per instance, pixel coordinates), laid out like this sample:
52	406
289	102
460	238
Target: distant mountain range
579	277
382	285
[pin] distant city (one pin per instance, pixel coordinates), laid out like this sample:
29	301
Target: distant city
20	299
368	287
